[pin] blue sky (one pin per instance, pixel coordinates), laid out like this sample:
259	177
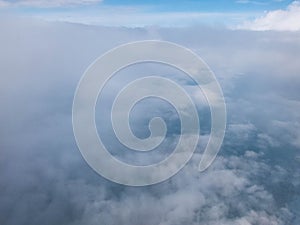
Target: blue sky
203	6
143	13
164	5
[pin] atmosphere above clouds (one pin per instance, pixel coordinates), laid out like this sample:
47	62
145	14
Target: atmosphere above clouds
239	14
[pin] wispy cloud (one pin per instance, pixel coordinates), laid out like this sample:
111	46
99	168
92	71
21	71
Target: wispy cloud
252	2
130	17
46	3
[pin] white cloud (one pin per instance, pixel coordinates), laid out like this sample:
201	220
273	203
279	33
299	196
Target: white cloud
46	3
281	20
136	17
251	2
40	65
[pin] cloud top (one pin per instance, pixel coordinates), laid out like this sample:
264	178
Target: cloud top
281	20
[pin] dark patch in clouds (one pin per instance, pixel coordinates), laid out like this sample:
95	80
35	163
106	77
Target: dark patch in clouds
44	180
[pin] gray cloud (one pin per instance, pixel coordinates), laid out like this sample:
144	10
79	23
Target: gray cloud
44	180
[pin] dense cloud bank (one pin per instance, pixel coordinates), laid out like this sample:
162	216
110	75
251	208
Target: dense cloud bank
44	180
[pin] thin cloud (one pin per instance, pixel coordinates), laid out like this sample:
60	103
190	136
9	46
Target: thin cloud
46	3
251	2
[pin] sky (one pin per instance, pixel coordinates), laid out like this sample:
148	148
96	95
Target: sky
161	13
255	178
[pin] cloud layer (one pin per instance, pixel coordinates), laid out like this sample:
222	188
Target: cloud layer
44	179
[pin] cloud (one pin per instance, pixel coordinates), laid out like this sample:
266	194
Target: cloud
46	3
44	179
281	20
251	2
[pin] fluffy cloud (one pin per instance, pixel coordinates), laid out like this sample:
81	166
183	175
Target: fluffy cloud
44	180
282	20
